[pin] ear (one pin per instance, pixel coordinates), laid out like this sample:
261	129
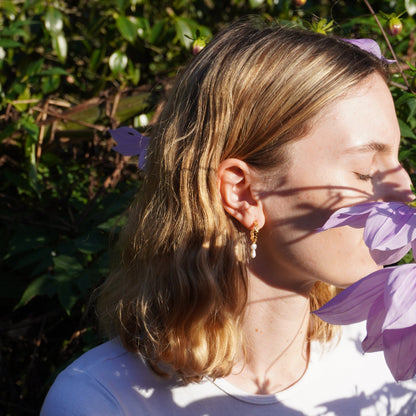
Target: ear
235	183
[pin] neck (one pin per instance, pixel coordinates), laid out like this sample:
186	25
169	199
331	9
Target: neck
275	330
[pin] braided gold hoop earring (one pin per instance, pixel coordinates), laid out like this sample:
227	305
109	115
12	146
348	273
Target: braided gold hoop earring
253	238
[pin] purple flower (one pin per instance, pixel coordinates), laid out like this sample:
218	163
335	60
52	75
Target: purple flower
389	228
130	143
371	46
387	300
387	297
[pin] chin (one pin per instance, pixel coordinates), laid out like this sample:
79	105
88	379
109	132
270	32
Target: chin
357	275
344	275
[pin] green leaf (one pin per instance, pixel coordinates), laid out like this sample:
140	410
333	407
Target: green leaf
143	27
127	28
66	266
133	73
30	152
27	123
109	225
8	131
408	96
122	4
24	95
156	32
405	130
411	104
50	84
10	43
39	259
256	3
204	32
412	67
91	243
34	68
32	129
96	58
26	239
18	87
67	296
53	71
43	285
184	32
14	29
405	154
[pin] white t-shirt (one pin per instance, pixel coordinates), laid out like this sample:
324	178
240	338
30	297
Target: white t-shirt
108	380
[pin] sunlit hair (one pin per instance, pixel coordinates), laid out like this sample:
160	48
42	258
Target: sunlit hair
178	295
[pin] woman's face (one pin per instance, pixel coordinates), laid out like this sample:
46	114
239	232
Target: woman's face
349	156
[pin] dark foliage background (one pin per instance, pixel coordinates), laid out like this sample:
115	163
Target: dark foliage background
69	71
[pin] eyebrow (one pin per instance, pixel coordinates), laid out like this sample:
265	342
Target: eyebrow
369	147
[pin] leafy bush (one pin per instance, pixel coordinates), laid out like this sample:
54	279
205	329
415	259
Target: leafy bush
69	70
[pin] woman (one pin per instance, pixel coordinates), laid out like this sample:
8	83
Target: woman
267	132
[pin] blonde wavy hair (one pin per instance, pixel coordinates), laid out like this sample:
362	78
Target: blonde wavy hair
178	294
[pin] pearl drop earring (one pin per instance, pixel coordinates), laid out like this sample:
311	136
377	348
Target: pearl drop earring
253	238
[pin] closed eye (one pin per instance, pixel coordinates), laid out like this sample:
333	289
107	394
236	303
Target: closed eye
363	177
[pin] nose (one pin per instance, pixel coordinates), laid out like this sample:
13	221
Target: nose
393	185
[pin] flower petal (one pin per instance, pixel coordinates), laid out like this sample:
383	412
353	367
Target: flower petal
354	303
392	228
374	339
389	227
376	219
130	143
389	256
354	216
400	297
413	245
371	46
400	352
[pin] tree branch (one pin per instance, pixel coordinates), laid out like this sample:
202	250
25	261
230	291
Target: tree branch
367	3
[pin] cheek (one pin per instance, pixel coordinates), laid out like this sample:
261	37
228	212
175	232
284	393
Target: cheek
341	256
341	241
305	212
311	207
289	239
327	247
310	218
338	256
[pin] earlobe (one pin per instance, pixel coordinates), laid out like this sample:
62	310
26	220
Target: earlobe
235	184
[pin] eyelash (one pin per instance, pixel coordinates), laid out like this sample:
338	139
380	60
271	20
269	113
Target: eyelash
363	177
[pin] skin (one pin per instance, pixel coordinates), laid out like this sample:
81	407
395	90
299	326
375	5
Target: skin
349	156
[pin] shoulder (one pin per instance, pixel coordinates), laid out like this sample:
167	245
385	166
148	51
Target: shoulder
108	380
90	384
347	359
356	381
